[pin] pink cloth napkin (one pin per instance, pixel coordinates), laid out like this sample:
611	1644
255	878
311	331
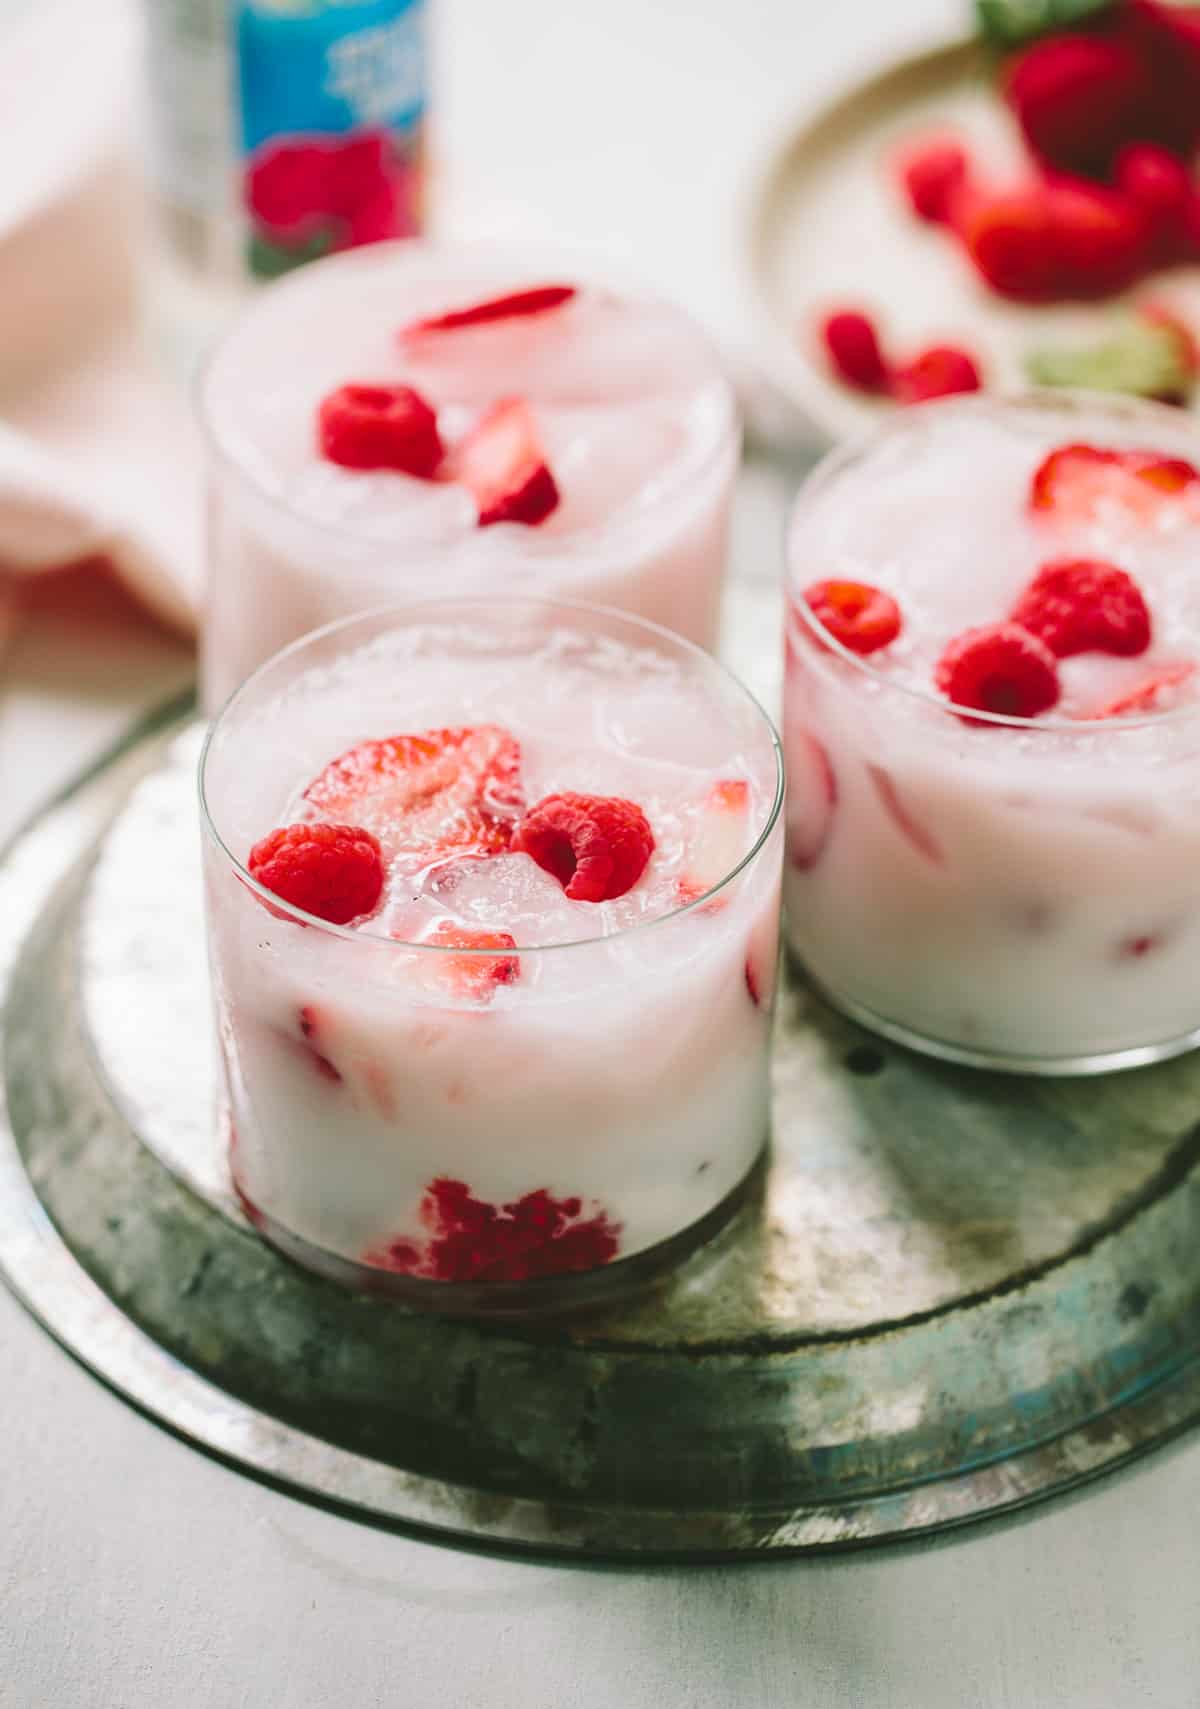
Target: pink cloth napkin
98	455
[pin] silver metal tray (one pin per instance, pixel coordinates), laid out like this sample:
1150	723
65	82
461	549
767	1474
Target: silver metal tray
952	1294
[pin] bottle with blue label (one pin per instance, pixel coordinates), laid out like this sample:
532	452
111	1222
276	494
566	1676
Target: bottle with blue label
284	130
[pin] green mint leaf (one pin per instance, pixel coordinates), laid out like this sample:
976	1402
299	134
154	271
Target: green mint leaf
1012	23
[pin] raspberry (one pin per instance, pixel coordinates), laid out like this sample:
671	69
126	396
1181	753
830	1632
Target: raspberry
1000	668
475	976
1148	695
1158	183
861	617
596	846
474	1241
446	791
932	174
938	372
502	462
536	300
379	427
853	346
1010	239
332	871
1075	480
286	189
358	169
1082	605
1078	98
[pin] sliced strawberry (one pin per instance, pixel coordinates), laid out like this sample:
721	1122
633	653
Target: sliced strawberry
474	976
1075	480
1101	239
1010	238
538	299
379	427
1083	605
942	371
502	462
910	827
720	840
310	1028
1148	695
812	795
446	791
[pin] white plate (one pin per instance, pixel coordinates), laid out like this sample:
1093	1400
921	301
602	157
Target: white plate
827	224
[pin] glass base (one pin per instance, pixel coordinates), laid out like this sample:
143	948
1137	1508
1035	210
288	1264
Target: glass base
999	1062
543	1296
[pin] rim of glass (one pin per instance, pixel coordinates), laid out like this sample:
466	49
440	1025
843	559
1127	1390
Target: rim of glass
1066	401
594	272
405	613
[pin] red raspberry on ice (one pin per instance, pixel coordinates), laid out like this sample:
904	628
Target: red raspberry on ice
939	372
854	350
380	427
1079	98
332	871
1082	605
1000	669
933	173
861	617
596	846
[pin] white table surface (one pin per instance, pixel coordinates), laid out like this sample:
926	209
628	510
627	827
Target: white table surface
135	1573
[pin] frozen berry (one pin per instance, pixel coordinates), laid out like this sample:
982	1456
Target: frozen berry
854	350
596	846
446	791
1000	669
332	871
474	975
1152	694
1083	605
538	299
1078	98
502	462
862	618
1074	481
1010	238
933	173
380	427
938	372
1159	183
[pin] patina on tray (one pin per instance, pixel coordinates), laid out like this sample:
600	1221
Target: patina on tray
953	1293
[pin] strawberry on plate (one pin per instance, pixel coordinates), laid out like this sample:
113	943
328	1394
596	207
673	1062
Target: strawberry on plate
444	791
502	463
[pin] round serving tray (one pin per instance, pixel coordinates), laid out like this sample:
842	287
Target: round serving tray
952	1293
824	224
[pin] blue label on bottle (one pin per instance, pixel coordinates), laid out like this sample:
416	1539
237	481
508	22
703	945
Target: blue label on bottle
331	95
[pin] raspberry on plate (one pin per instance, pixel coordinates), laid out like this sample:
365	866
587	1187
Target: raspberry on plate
536	300
1075	480
999	668
861	617
502	462
380	427
332	871
853	345
456	790
596	846
1083	605
932	173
